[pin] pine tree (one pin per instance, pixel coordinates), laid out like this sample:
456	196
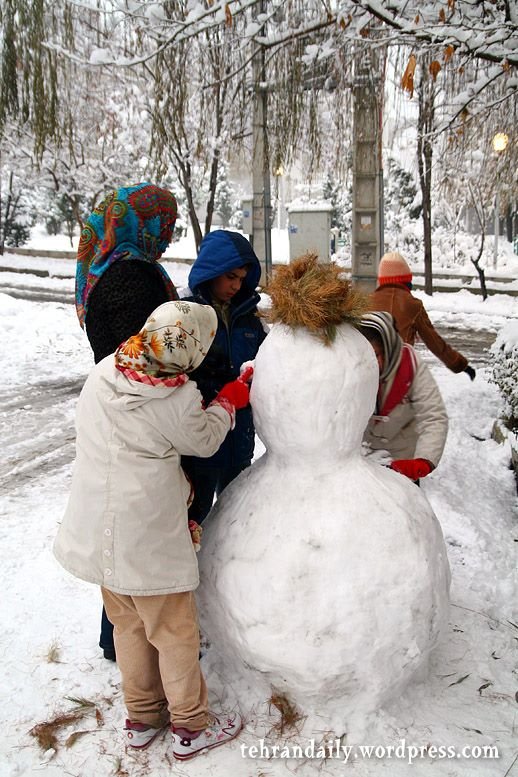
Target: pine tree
340	198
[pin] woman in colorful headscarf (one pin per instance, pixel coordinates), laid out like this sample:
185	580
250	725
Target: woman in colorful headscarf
119	280
126	525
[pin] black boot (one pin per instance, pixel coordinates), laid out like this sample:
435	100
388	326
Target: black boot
106	639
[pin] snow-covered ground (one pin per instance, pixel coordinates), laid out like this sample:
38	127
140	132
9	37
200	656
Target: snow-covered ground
51	661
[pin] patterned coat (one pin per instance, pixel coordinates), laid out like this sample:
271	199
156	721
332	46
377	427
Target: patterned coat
121	302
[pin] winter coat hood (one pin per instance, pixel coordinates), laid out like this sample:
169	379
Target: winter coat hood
220	252
124	390
382	324
134	222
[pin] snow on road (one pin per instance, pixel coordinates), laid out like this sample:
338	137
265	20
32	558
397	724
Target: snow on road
50	620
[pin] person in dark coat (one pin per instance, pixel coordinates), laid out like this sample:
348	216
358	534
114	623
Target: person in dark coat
119	281
225	275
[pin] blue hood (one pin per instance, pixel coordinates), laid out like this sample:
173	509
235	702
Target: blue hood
220	252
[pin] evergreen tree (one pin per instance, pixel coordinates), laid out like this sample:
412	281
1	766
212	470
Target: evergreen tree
340	198
225	201
400	191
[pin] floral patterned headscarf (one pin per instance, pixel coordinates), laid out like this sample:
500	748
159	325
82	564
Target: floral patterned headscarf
174	340
135	222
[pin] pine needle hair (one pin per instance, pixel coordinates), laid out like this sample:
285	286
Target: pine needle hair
314	295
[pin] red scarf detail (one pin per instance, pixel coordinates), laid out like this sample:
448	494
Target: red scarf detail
402	381
141	377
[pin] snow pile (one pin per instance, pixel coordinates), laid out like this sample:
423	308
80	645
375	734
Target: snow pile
325	575
40	342
504	354
468	701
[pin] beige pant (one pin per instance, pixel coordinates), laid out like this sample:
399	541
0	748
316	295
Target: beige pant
157	644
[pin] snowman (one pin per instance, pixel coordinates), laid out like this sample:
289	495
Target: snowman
324	575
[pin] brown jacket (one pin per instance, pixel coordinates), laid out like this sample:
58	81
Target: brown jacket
411	319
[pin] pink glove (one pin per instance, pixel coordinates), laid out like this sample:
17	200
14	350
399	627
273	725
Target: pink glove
236	392
412	468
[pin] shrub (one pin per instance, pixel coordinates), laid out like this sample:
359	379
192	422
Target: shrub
504	360
17	235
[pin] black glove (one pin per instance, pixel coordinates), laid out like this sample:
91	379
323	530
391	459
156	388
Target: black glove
471	372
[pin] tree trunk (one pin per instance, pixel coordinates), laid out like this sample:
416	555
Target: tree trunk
482	278
76	209
7	219
424	162
427	218
184	170
509	223
1	221
195	223
213	182
476	262
481	217
261	204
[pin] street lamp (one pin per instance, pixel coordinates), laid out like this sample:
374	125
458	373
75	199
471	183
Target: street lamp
499	142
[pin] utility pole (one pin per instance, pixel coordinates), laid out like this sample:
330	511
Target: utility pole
367	227
261	206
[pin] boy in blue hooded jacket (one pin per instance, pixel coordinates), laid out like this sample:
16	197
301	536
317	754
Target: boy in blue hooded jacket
225	275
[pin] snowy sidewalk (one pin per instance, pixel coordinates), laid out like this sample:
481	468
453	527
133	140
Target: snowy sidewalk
51	663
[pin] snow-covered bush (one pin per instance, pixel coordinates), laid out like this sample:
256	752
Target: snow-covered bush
60	216
226	201
16	213
402	199
340	197
407	238
504	357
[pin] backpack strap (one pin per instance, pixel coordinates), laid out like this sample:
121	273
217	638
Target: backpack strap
403	380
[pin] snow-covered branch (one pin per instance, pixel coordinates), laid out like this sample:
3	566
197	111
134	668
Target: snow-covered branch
461	25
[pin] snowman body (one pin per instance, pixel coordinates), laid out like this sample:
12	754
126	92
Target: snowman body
324	574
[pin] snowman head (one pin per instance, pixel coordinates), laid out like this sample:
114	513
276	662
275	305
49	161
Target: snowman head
310	399
316	376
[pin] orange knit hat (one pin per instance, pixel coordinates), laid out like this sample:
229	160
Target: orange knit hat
393	269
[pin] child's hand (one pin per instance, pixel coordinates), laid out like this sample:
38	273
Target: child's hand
196	532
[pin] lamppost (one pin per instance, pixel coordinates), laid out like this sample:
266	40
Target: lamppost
499	142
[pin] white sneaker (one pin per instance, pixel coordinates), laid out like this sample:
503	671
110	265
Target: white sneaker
187	744
140	735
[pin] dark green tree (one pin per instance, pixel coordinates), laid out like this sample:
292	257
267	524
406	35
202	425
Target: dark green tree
339	195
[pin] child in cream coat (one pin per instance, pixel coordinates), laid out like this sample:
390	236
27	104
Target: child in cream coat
126	526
